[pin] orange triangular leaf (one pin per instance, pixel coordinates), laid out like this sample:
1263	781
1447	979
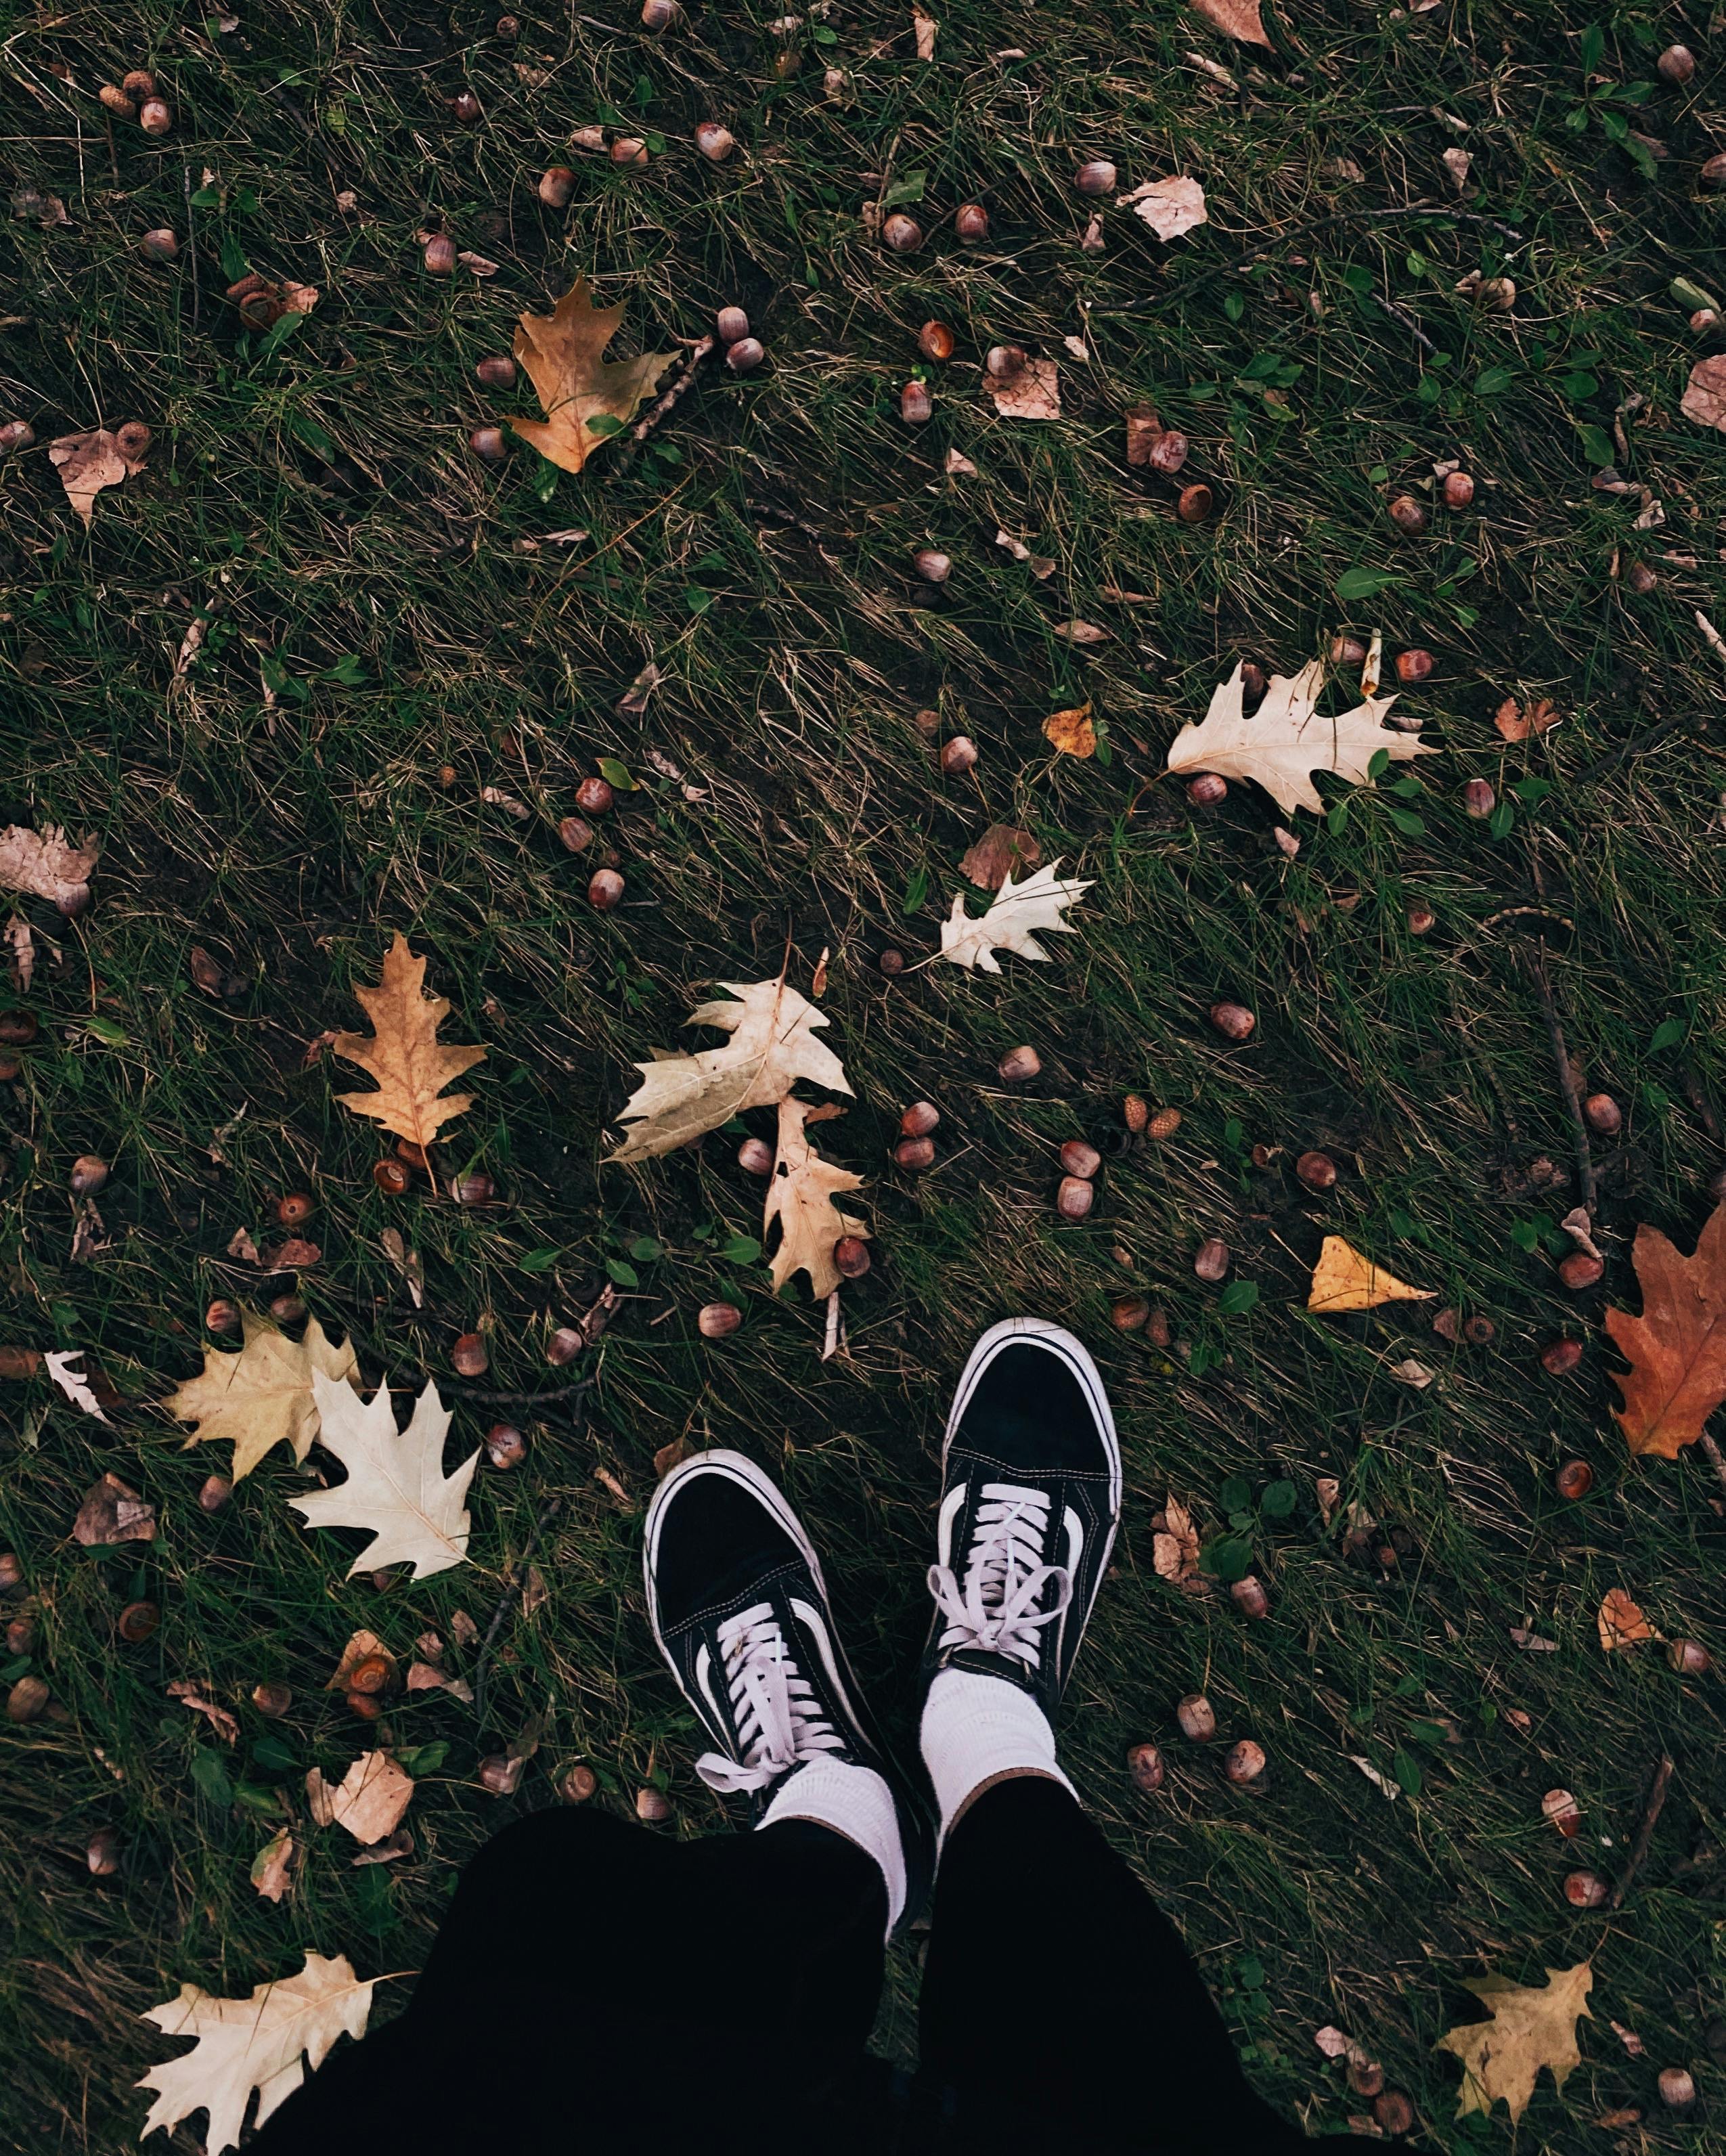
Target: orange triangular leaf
1676	1348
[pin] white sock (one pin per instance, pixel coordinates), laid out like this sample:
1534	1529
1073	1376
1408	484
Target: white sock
975	1726
856	1802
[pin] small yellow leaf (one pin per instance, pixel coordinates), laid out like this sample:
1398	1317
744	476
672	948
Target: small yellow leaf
1342	1280
1621	1624
1072	732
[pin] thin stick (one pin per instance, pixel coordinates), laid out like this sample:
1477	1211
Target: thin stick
1644	1831
656	411
1717	1458
507	1602
522	1400
1567	1082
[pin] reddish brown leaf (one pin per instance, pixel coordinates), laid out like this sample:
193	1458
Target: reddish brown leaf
19	1361
1676	1348
1002	851
1237	18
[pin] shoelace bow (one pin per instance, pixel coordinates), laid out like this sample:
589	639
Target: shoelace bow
780	1723
995	1609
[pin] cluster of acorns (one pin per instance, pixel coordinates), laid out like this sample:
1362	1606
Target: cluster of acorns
136	97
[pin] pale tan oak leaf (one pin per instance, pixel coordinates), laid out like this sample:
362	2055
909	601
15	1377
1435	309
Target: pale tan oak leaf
561	354
1011	923
368	1801
403	1056
46	864
800	1197
396	1489
261	1396
1286	740
1533	2026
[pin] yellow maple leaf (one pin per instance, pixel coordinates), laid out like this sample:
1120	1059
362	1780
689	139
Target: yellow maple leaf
405	1055
1621	1623
1072	733
800	1198
1342	1280
262	1396
561	355
1533	2026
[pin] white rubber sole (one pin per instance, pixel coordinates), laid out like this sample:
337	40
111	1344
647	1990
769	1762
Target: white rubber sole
738	1467
1058	1341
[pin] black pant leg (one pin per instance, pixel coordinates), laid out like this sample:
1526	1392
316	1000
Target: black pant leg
592	1979
1057	1997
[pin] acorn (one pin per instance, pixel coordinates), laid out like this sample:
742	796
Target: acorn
1394	2111
658	15
958	756
1478	797
1407	515
391	1176
1317	1170
1080	1159
1005	363
294	1207
1144	1765
903	234
117	102
576	834
476	1189
653	1807
1675	64
1249	1597
496	371
756	1157
1573	1479
214	1492
1422	919
272	1701
746	355
508	28
1585	1889
1212	1258
851	1257
914	1154
556	184
1412	666
1233	1020
1165	1123
1366	2076
1560	1356
220	1315
731	324
1579	1270
27	1700
1562	1808
1640	578
21	1636
1019	1063
1244	1762
915	403
470	1355
90	1171
16	435
605	888
628	149
934	567
564	1345
18	1028
1347	651
12	1572
465	108
1688	1657
1705	321
1196	1717
1097	177
138	83
132	439
499	1773
1207	789
161	245
438	257
1194	504
587	138
1075	1197
137	1621
1604	1114
1128	1314
102	1852
577	1785
1458	489
970	221
715	1320
890	962
489	445
154	116
1677	2091
505	1446
716	143
595	796
935	341
919	1119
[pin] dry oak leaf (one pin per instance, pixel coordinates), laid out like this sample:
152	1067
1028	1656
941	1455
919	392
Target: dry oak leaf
799	1197
1705	399
1081	632
112	1513
369	1799
1010	923
403	1056
261	1396
1286	740
220	1720
46	864
1032	393
772	1045
427	1676
1000	850
73	1383
86	464
1237	18
1342	1280
1676	1348
1516	724
1170	206
561	353
1533	2026
926	28
1621	1624
272	1872
1072	732
396	1488
252	2043
1174	1549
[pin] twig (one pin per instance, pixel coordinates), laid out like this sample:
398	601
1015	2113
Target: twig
1567	1080
1415	331
1717	1459
657	410
191	241
1644	1831
521	1399
505	1602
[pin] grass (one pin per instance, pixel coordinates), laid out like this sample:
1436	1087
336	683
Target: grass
391	632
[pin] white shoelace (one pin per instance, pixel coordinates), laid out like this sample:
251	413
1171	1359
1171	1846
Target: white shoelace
995	1608
779	1721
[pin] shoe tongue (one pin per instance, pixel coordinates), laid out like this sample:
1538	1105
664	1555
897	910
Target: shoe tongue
982	1663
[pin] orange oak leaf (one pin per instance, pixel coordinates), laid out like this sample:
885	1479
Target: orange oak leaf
1621	1623
405	1055
1676	1348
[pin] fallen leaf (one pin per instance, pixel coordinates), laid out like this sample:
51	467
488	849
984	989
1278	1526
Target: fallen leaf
407	1265
396	1489
561	353
403	1056
19	1361
1610	2120
1237	18
272	1872
1286	742
1378	1780
22	944
1516	724
1531	1643
477	265
1676	1348
1456	163
90	1237
799	1196
1034	393
1077	346
86	464
1072	733
996	856
772	1045
369	1799
220	1720
1342	1280
960	465
1174	1549
240	1245
73	1383
427	1676
1412	1372
1329	1492
926	28
391	1850
1170	206
38	209
1150	443
1081	632
252	2043
1332	2041
535	1594
112	1513
1705	399
262	1396
1631	2042
293	1256
1621	1624
47	865
633	702
360	1648
1011	921
1531	2026
465	1632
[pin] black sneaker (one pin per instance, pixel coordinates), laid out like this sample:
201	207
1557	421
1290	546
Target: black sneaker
741	1613
1029	1502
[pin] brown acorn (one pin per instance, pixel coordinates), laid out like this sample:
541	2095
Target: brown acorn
220	1315
1019	1063
27	1701
1196	1717
1422	919
576	833
1244	1762
556	186
1233	1020
593	797
16	435
154	116
272	1699
465	108
496	371
21	1636
12	1572
505	1446
715	1320
915	404
919	1119
1479	1332
970	222
577	1784
137	1621
1585	1889
1458	489
162	244
653	1807
1347	651
372	1673
1195	503
1366	2076
931	565
476	1189
1097	177
914	1154
102	1852
851	1257
1478	797
1207	789
755	1157
1144	1765
1688	1657
1579	1270
716	143
731	326
564	1345
489	445
1075	1197
1128	1314
1678	2089
438	257
1211	1260
605	888
1407	515
1249	1597
958	756
214	1492
628	149
294	1207
1317	1170
659	15
391	1176
745	355
1080	1159
1640	578
935	341
1394	2111
1604	1114
90	1171
18	1029
139	82
499	1773
1675	64
1412	666
903	234
1562	1808
470	1355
